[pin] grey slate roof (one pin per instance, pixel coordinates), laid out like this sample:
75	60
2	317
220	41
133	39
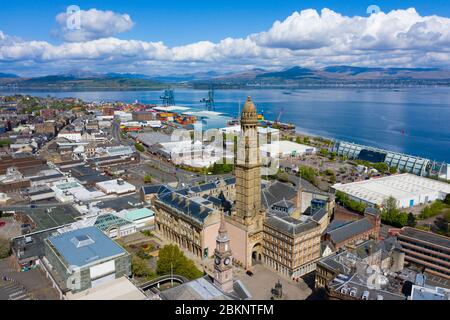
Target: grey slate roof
276	192
156	189
349	230
290	225
188	207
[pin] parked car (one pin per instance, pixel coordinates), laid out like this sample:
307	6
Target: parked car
249	273
2	223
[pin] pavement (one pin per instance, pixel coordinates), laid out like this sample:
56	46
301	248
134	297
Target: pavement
11	229
264	280
28	285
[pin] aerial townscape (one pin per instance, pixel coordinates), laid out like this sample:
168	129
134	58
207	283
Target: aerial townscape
204	185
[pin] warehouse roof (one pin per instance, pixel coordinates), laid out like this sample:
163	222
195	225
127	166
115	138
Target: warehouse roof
399	186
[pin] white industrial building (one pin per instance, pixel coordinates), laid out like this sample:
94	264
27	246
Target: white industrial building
116	186
284	148
408	189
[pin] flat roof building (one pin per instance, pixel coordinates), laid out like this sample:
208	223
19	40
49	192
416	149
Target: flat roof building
85	258
408	189
427	250
116	186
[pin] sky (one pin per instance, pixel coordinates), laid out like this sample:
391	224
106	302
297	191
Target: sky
180	36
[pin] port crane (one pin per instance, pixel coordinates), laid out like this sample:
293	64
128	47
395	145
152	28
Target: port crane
168	98
279	115
209	101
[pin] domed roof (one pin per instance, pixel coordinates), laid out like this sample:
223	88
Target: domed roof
249	106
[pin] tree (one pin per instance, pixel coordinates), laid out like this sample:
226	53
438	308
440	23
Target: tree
411	220
140	268
348	203
447	199
298	140
392	170
5	248
323	152
172	259
308	173
139	147
147	178
391	215
283	176
381	167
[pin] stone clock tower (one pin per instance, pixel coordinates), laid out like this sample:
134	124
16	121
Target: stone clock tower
223	269
248	167
247	219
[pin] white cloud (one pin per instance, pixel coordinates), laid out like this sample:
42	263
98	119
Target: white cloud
92	24
306	38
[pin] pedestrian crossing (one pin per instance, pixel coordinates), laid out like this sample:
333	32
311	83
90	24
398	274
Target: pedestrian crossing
13	291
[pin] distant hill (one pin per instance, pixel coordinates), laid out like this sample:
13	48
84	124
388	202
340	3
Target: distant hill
8	75
76	82
334	75
257	77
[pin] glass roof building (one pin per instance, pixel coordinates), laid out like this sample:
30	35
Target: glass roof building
403	162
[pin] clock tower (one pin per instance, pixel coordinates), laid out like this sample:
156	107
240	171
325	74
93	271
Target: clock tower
223	269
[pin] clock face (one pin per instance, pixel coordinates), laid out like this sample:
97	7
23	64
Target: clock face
217	261
226	261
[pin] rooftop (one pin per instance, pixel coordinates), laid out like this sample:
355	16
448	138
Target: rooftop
117	289
85	246
399	186
138	214
349	230
426	236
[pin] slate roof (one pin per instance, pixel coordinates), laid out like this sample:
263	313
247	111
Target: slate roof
276	192
207	186
350	230
290	225
319	214
183	204
156	189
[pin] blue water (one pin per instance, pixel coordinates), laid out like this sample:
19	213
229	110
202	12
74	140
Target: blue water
415	121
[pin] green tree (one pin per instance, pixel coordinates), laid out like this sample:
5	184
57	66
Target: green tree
147	178
447	199
172	259
391	215
348	203
309	174
323	152
392	170
283	176
139	147
298	140
139	268
381	167
411	220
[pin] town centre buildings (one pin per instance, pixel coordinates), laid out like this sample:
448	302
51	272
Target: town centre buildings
408	189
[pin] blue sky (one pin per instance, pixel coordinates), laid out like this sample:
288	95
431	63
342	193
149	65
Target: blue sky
178	22
183	23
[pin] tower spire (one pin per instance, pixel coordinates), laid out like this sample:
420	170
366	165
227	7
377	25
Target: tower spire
223	275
